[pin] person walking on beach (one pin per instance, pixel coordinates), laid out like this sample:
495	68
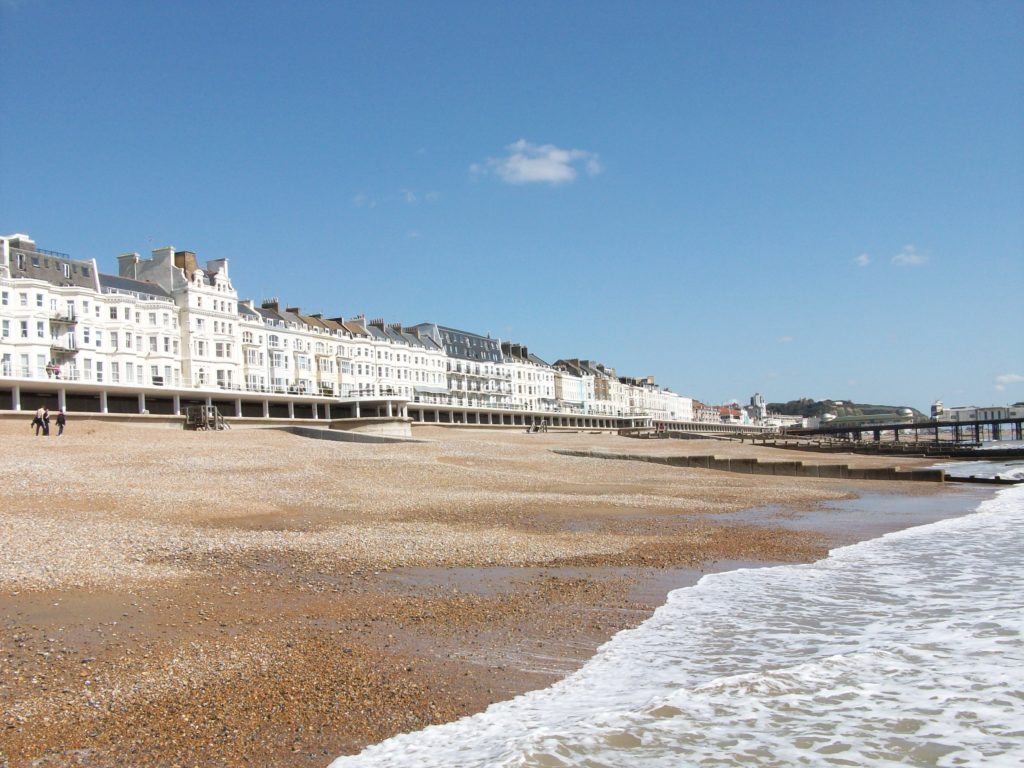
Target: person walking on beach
61	421
37	422
46	421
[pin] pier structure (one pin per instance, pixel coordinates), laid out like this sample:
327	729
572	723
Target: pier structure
935	431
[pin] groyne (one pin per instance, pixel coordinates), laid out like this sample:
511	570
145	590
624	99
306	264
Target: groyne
784	468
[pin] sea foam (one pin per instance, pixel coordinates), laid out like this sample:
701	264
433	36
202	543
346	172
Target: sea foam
903	650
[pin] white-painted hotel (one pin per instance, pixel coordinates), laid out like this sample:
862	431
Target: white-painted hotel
169	331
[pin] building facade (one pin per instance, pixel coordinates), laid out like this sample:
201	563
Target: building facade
169	324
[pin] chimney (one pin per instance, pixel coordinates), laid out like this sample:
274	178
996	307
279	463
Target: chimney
128	265
186	261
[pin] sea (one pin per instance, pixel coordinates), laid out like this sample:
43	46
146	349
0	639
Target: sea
904	650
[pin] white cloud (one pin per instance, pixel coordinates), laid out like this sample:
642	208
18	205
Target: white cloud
862	261
1008	378
407	196
528	163
909	257
785	339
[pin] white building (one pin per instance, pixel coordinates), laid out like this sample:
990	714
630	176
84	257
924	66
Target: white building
167	330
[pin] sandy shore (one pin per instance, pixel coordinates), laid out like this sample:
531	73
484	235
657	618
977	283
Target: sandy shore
256	598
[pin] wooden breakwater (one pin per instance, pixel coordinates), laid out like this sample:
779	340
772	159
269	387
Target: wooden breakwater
923	449
782	468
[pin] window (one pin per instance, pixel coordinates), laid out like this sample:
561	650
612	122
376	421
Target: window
5	298
40	329
152	318
86	335
113	313
24	329
167	344
152	344
23	299
127	341
99	371
5	329
99	338
66	269
200	324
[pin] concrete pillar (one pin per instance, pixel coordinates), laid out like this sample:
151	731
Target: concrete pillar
238	407
176	404
357	409
15	398
209	401
291	409
316	411
62	399
266	409
103	402
142	402
389	409
437	416
327	411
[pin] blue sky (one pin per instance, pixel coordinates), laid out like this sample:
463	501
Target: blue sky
797	198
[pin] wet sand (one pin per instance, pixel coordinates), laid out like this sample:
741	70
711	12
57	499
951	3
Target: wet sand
256	598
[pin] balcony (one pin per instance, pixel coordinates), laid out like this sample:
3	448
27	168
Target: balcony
63	318
59	350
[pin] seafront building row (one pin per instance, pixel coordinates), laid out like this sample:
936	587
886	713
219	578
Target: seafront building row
167	331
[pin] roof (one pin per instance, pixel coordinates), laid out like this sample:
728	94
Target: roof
130	285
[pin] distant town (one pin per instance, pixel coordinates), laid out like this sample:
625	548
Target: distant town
166	332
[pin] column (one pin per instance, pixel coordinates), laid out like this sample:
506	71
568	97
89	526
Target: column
266	409
238	407
389	409
176	404
327	411
142	402
316	411
291	409
16	398
62	399
209	401
357	409
103	401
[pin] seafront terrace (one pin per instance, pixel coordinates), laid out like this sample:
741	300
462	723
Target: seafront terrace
78	394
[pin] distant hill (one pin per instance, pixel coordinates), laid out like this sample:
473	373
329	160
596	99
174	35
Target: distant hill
807	407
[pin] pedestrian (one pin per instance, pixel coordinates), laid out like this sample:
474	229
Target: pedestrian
46	421
38	420
61	421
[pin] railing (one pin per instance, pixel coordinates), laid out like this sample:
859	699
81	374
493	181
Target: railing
58	254
73	374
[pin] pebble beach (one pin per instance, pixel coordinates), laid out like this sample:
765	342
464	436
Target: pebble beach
252	597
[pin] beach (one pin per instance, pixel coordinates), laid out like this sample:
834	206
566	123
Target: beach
252	597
